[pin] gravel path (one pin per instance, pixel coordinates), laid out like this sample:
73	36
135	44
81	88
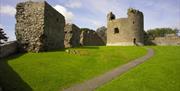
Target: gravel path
92	84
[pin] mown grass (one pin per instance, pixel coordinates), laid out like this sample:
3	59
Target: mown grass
53	71
160	73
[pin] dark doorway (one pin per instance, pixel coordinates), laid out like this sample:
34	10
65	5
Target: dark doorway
134	41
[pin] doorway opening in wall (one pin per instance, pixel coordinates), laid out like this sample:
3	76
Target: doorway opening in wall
116	30
134	41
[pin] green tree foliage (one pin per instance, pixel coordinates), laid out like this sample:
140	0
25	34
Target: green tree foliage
161	32
2	36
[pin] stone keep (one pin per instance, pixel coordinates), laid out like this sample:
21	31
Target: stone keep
39	27
72	35
90	38
125	31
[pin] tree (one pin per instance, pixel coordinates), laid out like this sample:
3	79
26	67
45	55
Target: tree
177	31
2	36
161	32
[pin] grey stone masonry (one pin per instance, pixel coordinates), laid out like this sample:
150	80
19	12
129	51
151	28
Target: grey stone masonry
167	40
8	49
72	35
39	27
90	38
125	31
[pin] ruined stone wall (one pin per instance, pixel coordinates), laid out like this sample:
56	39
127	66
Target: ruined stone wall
126	31
102	33
90	38
8	49
72	35
136	25
168	40
54	28
39	27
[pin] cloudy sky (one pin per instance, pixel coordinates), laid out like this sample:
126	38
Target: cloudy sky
92	13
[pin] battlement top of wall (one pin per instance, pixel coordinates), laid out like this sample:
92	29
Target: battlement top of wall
130	12
29	2
134	11
21	4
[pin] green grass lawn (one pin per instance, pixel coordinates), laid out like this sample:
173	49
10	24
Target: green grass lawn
160	73
52	71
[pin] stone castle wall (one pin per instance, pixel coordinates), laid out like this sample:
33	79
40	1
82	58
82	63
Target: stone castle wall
8	49
39	27
167	40
126	31
90	38
72	35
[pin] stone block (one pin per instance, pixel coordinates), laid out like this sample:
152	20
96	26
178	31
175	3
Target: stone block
72	35
39	27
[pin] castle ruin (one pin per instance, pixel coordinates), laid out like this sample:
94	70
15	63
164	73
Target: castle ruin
72	35
89	37
169	39
39	27
125	31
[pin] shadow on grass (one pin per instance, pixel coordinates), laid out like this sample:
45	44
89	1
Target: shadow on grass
89	47
54	50
9	79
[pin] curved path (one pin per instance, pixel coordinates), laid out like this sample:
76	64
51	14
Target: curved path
92	84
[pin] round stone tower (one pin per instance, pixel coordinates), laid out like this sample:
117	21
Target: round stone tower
136	26
125	31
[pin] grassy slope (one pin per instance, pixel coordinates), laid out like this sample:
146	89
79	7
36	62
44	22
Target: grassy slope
161	73
53	71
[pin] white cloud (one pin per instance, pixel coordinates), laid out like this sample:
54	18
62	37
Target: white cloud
68	15
73	4
96	23
91	23
176	25
8	10
1	26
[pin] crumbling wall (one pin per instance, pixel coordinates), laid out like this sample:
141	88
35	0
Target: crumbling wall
90	38
72	35
125	31
167	40
102	32
39	27
8	49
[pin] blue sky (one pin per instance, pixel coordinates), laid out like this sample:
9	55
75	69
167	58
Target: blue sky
92	13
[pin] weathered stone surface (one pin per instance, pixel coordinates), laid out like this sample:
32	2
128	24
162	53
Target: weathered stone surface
72	35
8	48
167	40
102	33
126	31
90	38
39	27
